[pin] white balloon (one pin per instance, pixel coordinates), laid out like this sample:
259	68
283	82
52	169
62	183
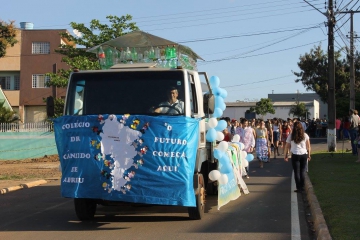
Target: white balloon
243	154
244	162
214	175
207	126
212	122
219	136
242	146
236	138
223	146
223	179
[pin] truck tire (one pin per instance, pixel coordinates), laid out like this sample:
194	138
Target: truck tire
196	213
85	208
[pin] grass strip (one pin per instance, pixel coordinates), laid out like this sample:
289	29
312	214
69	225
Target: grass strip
336	181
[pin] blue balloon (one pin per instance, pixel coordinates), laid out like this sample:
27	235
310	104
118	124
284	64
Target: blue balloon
216	91
223	93
217	113
211	135
249	157
218	154
214	81
225	164
222	124
219	103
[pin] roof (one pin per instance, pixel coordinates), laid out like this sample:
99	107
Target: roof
240	104
13	96
2	98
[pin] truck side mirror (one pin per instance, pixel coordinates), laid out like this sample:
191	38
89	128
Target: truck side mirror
50	107
209	103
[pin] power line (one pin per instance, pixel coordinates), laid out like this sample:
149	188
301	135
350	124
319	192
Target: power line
271	44
275	40
218	9
233	20
191	12
261	54
314	7
218	15
249	35
266	80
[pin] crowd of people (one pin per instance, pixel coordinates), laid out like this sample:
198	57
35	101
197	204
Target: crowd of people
276	137
273	137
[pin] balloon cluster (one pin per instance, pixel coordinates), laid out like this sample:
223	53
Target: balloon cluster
225	167
220	94
214	133
213	126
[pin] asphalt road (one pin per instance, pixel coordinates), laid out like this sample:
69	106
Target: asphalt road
266	213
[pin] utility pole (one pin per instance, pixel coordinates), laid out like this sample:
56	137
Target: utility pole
331	134
351	57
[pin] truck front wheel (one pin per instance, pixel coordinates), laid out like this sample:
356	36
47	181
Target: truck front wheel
196	213
85	208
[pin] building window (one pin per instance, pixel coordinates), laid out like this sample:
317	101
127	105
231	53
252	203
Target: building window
5	82
17	83
39	80
40	48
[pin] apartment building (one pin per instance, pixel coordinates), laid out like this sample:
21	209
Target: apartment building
23	69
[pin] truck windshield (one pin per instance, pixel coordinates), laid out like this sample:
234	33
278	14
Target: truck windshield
126	92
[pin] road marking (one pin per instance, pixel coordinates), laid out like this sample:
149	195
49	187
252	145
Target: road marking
295	223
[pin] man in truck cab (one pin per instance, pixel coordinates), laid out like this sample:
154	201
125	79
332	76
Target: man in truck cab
173	106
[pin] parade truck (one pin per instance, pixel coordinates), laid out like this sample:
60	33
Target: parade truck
114	148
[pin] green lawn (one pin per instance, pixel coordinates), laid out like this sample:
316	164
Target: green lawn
336	181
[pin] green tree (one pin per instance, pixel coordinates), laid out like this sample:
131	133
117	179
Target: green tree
7	36
263	107
299	110
7	115
314	76
86	37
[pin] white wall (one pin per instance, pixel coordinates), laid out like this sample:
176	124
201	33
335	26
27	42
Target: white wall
35	113
280	111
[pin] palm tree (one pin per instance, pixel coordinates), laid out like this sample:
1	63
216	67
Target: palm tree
7	115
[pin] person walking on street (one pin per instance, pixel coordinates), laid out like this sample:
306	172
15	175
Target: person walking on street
261	143
276	136
354	127
270	139
246	134
346	127
286	131
299	144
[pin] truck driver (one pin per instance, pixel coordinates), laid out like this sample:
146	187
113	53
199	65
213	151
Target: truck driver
173	106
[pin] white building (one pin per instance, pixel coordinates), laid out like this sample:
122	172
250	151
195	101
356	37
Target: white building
237	110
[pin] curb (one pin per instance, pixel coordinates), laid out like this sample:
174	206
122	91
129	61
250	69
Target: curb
321	228
23	186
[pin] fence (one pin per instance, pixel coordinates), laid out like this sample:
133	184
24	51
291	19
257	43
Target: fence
26	127
26	140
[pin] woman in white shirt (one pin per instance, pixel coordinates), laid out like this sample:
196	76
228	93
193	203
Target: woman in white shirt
299	144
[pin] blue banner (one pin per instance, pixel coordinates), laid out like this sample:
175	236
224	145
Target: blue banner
140	159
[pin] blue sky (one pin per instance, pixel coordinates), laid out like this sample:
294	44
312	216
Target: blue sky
252	46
